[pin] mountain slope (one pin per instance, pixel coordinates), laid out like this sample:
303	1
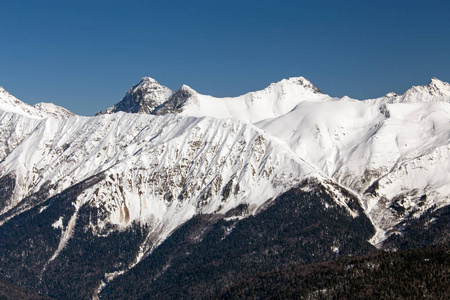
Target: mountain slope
210	253
11	291
414	274
75	187
397	153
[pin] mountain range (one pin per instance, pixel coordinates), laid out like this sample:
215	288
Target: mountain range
166	186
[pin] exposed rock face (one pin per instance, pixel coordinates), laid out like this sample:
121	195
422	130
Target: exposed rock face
142	98
176	102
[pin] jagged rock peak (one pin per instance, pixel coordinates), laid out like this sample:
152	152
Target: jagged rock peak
176	102
143	97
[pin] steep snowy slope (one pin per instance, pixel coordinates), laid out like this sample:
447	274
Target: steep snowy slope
53	111
171	147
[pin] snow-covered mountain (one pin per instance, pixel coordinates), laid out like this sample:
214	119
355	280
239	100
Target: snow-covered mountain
435	91
396	143
150	97
143	97
158	158
9	103
275	100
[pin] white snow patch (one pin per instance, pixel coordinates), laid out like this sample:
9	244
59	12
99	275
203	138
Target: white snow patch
58	223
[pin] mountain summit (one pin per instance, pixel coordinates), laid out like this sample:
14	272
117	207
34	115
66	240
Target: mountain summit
435	91
9	103
143	97
149	97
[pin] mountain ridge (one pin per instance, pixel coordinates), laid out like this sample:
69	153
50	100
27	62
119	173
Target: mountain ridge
143	176
435	91
40	110
150	97
160	99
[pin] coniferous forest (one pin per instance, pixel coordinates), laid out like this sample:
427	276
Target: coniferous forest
422	273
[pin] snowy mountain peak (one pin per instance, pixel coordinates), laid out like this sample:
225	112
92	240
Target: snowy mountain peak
150	97
437	81
391	94
147	84
148	80
435	91
187	88
275	100
301	81
9	103
439	87
143	97
300	84
436	87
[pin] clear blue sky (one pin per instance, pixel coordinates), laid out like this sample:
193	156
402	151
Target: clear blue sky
85	55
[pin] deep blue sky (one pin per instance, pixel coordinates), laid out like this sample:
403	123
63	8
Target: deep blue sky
85	55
